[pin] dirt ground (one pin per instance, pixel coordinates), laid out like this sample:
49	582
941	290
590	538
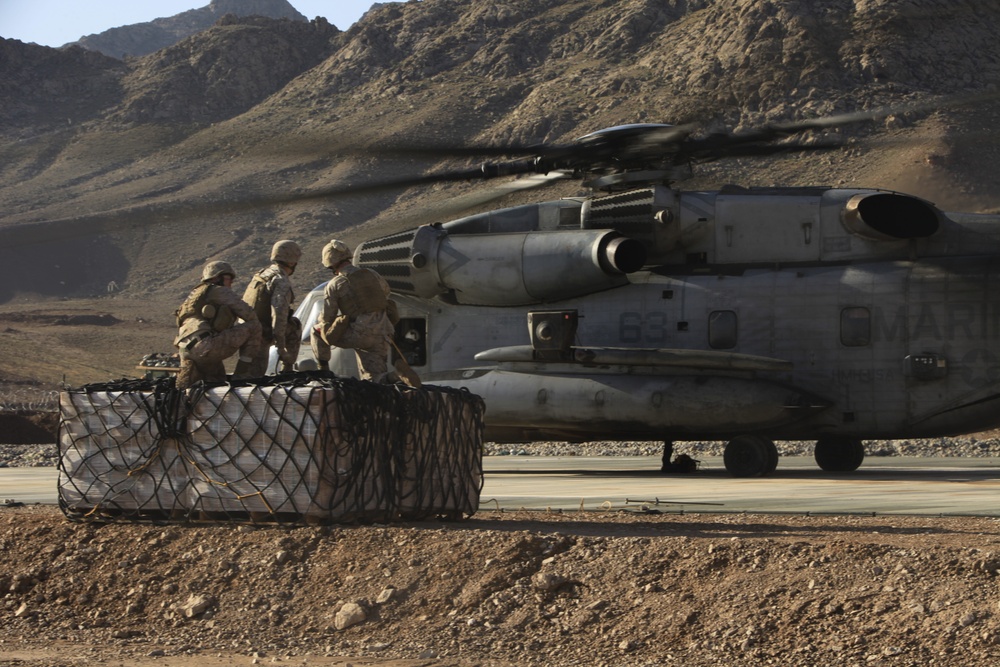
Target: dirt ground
503	589
76	342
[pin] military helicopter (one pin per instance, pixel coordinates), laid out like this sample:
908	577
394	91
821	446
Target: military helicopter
747	315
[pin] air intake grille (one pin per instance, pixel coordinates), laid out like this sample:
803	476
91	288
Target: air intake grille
390	257
630	213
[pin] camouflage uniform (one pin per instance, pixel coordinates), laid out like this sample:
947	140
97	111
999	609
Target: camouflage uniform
270	295
369	331
205	341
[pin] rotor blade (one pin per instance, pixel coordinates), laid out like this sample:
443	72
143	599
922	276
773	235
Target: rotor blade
442	151
381	186
137	217
455	206
778	130
763	150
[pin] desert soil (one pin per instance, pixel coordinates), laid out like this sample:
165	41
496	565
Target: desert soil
503	588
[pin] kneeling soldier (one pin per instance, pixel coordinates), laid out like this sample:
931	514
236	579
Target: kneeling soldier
207	330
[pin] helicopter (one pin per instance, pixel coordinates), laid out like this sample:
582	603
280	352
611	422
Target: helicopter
745	315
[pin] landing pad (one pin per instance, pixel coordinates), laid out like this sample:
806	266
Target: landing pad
890	485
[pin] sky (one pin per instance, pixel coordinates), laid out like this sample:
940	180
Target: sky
58	22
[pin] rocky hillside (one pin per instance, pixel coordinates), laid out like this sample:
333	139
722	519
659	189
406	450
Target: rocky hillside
144	38
156	164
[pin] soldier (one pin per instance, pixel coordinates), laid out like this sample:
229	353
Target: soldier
361	296
207	330
271	297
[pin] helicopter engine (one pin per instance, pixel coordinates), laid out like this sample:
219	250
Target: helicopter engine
562	249
503	268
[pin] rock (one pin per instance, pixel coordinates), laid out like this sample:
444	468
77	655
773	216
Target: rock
196	605
350	614
547	581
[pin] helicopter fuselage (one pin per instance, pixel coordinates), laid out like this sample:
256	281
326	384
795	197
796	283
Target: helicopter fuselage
874	351
794	313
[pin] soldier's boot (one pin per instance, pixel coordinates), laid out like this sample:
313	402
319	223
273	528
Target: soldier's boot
188	374
242	369
323	365
286	368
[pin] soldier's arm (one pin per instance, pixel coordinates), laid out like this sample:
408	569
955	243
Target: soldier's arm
385	285
281	296
239	307
330	306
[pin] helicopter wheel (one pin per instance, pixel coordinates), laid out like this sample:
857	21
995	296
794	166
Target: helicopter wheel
835	454
750	456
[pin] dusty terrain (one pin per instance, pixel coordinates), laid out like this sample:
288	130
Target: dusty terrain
77	342
503	589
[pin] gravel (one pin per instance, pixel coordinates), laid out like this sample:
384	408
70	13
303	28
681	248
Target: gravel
986	445
981	445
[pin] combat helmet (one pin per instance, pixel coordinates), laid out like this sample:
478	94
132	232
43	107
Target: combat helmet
286	252
334	253
215	269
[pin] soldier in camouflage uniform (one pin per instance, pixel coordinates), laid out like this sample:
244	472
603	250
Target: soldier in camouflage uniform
207	330
361	298
271	297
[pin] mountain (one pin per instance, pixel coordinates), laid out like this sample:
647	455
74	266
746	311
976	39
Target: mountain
146	168
144	38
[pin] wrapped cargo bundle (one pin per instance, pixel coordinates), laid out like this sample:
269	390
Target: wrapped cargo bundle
433	465
112	448
312	449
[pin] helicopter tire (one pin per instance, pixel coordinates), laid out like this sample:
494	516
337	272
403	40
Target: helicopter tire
772	454
834	454
750	456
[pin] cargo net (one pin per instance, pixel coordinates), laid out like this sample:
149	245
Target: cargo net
308	449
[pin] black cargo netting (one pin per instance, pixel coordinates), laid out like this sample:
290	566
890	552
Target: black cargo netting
306	448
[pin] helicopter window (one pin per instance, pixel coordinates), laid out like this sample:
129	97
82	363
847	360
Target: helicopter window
668	294
722	329
855	327
411	339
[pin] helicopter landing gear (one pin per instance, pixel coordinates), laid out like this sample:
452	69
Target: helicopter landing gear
681	464
750	456
834	454
668	454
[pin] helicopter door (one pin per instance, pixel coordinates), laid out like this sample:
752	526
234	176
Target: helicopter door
746	229
411	340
